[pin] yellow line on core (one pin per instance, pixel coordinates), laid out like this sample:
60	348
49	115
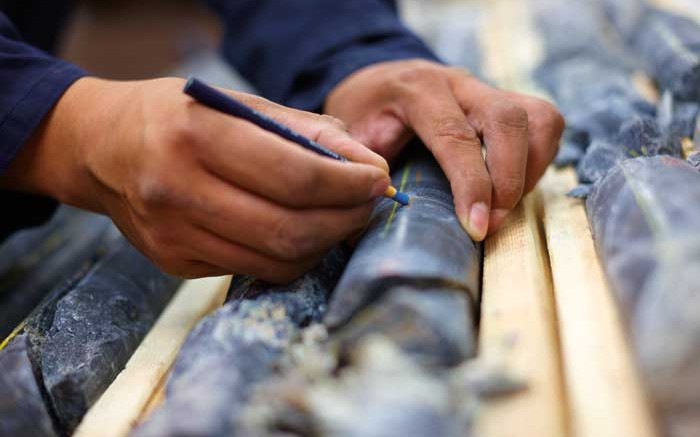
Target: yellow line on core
12	335
404	179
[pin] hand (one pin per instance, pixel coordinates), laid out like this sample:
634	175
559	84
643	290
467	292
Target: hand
454	114
199	192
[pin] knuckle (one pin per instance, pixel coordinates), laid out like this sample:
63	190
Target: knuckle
418	71
477	179
180	131
508	190
549	119
155	190
510	116
290	239
455	129
334	122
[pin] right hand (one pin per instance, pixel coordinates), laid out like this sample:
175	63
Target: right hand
199	192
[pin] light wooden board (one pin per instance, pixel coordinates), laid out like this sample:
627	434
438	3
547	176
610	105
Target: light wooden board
518	321
603	386
519	330
122	404
687	8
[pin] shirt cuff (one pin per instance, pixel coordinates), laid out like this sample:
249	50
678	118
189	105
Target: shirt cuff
31	108
27	210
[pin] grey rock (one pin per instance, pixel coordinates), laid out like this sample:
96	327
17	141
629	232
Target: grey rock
96	326
642	136
22	408
432	326
83	333
236	348
422	245
600	157
644	218
34	261
669	46
377	391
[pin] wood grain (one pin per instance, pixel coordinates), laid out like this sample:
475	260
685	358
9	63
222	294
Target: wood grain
604	389
519	330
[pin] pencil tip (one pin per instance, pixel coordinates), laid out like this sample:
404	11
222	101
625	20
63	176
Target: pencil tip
402	198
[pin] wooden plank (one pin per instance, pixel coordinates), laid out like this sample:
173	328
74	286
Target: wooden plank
646	87
157	398
120	407
518	330
518	320
604	388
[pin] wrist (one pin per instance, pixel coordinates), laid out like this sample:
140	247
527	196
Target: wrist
55	160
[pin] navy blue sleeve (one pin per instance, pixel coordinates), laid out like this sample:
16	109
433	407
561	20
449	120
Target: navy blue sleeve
296	51
31	82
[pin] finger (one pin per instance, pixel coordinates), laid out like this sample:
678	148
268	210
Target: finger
503	125
265	164
384	133
199	269
160	249
340	142
237	259
327	130
282	233
545	128
439	121
505	135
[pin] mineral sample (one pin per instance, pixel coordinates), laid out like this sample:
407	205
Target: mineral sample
669	46
434	327
33	261
237	347
84	332
644	221
421	245
24	412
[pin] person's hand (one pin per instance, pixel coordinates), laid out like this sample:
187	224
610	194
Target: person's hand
199	192
454	114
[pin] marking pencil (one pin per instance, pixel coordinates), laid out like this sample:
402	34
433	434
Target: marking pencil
221	102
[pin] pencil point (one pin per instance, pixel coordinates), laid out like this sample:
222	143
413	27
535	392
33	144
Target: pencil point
402	198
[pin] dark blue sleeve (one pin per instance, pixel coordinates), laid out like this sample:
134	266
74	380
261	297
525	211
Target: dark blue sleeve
296	51
30	84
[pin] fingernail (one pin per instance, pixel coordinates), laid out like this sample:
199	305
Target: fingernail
478	222
498	216
379	187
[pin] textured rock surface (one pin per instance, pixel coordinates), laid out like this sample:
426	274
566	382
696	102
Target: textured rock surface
421	245
84	332
669	46
33	261
236	348
434	327
644	218
589	73
375	392
96	326
22	408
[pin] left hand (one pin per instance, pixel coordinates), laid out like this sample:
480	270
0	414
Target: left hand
454	114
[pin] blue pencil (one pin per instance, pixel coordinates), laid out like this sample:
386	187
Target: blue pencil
221	102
